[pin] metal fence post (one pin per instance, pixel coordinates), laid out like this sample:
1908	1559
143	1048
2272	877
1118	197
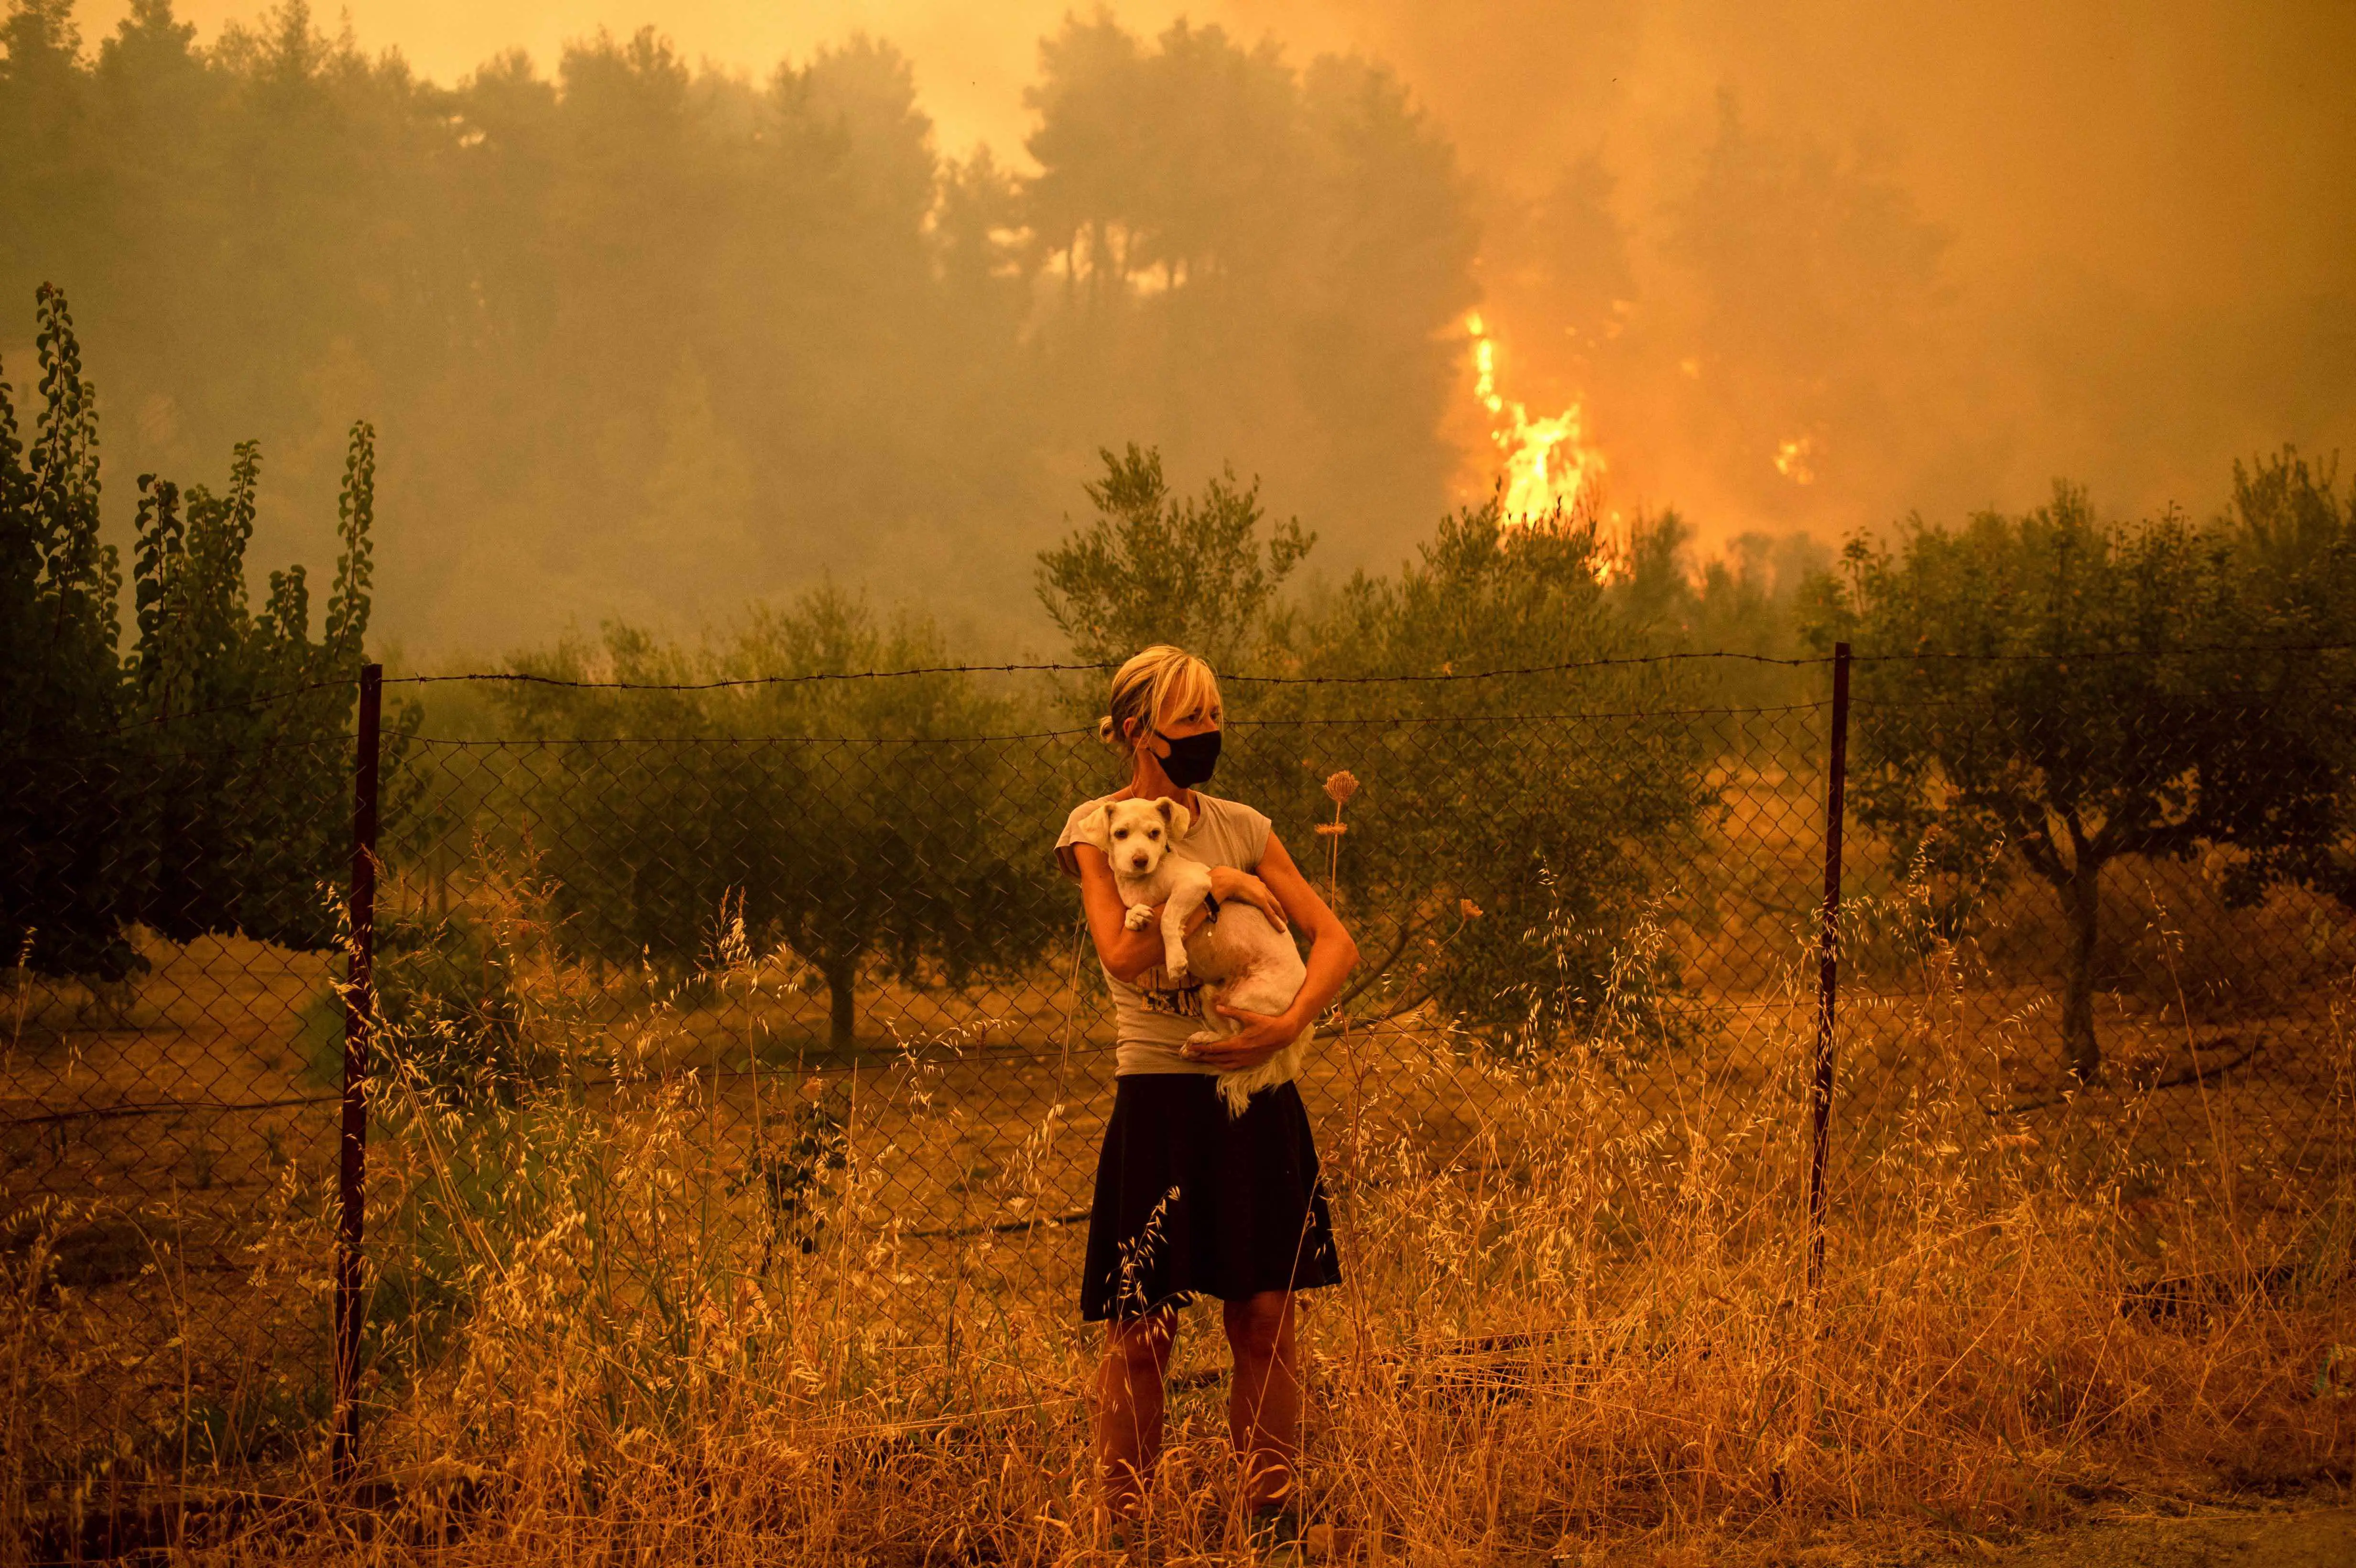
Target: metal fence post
359	1005
1828	964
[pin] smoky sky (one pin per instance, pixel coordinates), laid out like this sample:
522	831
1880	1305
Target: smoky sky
1932	256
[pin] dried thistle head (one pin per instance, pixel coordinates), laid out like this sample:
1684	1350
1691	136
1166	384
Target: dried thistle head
1469	910
1340	786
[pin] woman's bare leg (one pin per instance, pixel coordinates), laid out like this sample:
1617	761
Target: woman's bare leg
1264	1400
1128	1406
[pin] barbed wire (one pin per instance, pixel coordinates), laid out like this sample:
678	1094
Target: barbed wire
1442	676
1089	734
534	743
1086	733
528	677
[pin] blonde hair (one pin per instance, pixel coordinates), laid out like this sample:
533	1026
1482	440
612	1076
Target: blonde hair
1160	682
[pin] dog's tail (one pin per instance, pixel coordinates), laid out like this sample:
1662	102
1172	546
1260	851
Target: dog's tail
1239	1087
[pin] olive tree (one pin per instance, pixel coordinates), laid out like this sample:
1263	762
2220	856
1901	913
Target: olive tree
1154	567
875	827
1523	803
1501	849
2051	691
2293	533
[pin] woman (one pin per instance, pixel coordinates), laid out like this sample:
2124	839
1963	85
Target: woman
1190	1200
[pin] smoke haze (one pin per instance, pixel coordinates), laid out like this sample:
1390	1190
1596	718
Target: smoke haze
1803	267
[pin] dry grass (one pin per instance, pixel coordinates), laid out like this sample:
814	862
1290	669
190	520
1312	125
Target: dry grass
1576	1318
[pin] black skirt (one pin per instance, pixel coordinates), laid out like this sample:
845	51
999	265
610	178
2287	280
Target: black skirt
1192	1201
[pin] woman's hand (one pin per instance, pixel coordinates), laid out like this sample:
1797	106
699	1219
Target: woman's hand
1229	885
1262	1036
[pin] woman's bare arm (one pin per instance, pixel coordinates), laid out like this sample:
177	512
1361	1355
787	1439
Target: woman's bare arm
1128	953
1332	955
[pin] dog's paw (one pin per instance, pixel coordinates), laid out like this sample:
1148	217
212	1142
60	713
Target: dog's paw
1175	969
1139	917
1205	1037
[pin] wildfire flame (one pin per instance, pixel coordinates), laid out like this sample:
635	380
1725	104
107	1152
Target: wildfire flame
1548	464
1793	459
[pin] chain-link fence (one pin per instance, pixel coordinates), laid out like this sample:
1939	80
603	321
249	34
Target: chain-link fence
803	986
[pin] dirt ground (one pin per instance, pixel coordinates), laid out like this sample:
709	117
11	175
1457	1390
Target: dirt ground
2295	1537
2310	1531
2314	1532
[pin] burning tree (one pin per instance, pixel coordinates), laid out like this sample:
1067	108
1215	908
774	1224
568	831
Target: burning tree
2048	691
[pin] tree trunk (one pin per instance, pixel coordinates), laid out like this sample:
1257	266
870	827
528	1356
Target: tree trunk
842	980
2080	897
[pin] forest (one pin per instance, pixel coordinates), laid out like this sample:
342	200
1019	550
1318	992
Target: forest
885	826
630	320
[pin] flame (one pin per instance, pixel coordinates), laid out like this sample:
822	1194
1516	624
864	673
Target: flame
1549	467
1792	459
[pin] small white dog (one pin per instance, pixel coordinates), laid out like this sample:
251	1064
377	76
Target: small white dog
1242	959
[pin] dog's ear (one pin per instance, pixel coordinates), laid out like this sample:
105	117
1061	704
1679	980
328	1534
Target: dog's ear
1095	828
1180	820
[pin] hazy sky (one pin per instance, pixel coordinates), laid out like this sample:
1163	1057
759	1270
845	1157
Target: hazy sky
2150	234
2154	135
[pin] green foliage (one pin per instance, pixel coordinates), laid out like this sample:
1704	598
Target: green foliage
245	811
861	823
451	1005
63	881
1555	828
1555	804
2073	693
1742	601
796	1179
202	783
2294	535
1153	567
614	294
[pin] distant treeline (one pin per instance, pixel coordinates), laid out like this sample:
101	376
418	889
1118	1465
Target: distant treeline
2042	691
652	337
924	857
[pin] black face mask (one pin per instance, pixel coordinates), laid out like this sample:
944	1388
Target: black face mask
1191	759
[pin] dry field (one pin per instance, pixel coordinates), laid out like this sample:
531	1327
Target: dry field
705	1289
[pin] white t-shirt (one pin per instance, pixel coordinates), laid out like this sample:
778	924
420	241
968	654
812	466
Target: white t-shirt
1152	1018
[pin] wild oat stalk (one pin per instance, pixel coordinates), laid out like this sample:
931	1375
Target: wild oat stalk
1575	1298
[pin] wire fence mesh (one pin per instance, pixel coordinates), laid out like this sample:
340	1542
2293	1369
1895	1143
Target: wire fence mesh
799	971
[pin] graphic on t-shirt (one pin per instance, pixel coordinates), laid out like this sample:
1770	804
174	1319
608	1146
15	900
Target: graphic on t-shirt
1183	1001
